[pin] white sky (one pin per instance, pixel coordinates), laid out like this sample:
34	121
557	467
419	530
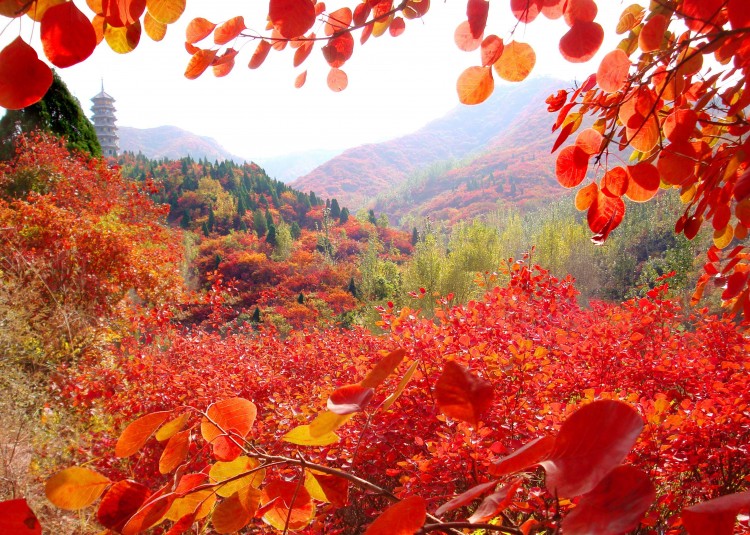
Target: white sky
396	85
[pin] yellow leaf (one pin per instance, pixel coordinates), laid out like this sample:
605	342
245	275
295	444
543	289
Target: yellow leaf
221	471
200	503
301	436
170	428
401	385
166	11
75	488
326	422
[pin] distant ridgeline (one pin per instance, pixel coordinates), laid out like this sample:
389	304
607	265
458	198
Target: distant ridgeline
221	196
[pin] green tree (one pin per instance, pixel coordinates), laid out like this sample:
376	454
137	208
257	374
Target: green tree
284	241
344	215
59	113
335	209
259	223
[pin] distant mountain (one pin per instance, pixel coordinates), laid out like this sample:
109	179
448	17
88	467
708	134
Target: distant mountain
173	143
456	166
291	166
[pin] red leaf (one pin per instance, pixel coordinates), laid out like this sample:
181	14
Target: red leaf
590	141
526	10
591	442
613	71
698	15
677	162
292	18
492	49
17	518
571	166
121	13
229	30
397	27
361	12
304	50
680	124
286	495
581	42
717	516
24	79
604	215
300	80
121	502
349	399
530	454
735	284
138	432
476	13
616	505
151	513
557	101
383	369
495	502
652	33
615	181
404	518
68	37
336	489
461	395
175	452
339	20
579	11
553	9
198	29
339	50
465	497
475	85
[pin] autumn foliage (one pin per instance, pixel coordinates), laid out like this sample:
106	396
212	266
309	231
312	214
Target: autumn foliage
344	423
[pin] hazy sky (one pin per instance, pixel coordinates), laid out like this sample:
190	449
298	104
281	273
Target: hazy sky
396	85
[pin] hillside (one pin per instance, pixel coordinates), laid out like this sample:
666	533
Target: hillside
483	138
172	143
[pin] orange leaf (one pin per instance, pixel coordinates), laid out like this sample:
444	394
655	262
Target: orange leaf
304	50
234	418
224	64
643	182
349	399
121	502
591	442
198	64
14	8
124	39
138	432
287	495
229	30
677	162
680	124
166	11
579	11
300	80
404	518
38	8
24	79
230	515
475	85
614	506
586	196
292	18
198	29
383	369
175	452
492	49
516	62
571	166
613	71
327	488
75	488
630	18
154	29
553	9
17	518
260	54
339	20
643	135
67	35
589	141
464	39
151	513
461	395
581	42
337	80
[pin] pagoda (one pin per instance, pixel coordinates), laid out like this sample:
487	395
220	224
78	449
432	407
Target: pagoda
104	123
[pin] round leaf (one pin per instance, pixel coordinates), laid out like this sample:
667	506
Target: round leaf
67	35
475	85
24	79
516	62
17	518
75	488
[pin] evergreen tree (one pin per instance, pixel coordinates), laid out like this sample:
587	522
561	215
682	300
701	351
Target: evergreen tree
59	113
414	236
269	218
211	219
371	217
352	288
204	228
241	206
344	215
256	315
335	209
259	224
295	231
185	221
301	298
271	236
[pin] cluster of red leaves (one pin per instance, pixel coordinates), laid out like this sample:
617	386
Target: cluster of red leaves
660	97
83	230
69	37
540	355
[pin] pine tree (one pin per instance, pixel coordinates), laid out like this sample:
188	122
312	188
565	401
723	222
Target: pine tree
335	209
271	236
256	315
352	288
301	298
295	231
414	236
344	215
